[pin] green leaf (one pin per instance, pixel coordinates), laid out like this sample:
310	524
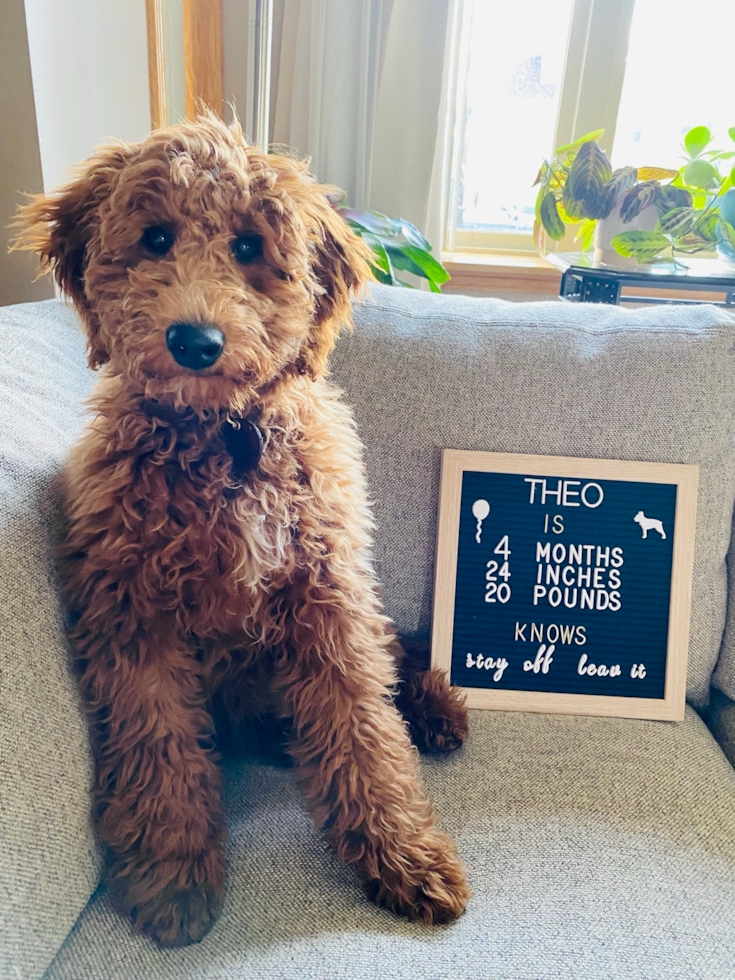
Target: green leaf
696	140
586	233
541	174
381	276
590	172
413	236
594	136
700	173
418	261
558	175
706	227
550	217
727	232
372	221
731	133
640	245
677	222
380	256
566	217
385	227
543	191
638	198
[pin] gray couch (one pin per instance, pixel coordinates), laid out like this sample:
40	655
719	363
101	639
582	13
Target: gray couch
596	847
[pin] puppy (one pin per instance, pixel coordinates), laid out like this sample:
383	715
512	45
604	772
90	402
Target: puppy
217	561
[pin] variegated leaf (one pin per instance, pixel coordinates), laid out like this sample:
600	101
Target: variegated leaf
573	207
689	243
621	180
590	172
706	227
598	206
641	245
672	197
550	217
677	222
656	173
638	198
727	232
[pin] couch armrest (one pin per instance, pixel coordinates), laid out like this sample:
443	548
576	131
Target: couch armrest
720	719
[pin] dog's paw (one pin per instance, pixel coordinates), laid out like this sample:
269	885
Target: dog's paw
172	902
178	916
431	886
435	713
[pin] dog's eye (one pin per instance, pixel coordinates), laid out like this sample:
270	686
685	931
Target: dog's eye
157	240
247	248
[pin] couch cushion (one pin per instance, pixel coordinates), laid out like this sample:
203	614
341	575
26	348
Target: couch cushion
597	848
426	372
48	858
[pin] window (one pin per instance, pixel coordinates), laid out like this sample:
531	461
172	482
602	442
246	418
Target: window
534	75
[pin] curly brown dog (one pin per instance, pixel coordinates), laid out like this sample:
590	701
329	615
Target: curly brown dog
217	560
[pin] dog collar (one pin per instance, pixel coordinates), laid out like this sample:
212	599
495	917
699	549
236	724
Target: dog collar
244	440
242	436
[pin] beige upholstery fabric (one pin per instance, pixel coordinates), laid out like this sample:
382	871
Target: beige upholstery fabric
597	848
48	858
426	372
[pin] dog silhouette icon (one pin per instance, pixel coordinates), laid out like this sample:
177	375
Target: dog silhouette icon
649	524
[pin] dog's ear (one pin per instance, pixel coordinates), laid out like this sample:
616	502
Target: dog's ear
59	227
340	267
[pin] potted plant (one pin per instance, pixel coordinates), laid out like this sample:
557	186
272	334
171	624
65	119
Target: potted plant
685	210
397	245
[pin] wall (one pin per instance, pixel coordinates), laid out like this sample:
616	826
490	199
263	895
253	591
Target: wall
89	63
20	160
72	73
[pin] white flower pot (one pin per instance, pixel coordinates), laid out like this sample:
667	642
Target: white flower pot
608	228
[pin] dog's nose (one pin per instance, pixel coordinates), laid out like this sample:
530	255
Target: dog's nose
194	347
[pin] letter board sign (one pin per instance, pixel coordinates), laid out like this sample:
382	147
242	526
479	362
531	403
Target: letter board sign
564	584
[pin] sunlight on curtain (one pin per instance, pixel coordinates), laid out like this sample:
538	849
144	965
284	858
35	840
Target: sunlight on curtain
358	89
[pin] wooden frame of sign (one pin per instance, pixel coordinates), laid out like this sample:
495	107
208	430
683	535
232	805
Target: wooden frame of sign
555	591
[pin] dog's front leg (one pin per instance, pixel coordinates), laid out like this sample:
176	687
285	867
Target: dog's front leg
157	792
354	757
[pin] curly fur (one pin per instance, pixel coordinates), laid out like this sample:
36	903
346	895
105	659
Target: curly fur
198	594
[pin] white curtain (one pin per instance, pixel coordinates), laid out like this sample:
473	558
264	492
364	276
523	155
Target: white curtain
361	87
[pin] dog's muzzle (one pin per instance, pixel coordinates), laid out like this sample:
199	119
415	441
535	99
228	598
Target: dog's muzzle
194	347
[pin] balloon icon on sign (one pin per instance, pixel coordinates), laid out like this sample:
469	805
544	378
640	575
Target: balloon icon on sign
480	510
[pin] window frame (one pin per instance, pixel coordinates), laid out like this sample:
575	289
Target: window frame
592	84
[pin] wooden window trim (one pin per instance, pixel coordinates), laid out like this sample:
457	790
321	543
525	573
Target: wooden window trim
203	56
513	272
156	62
523	272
